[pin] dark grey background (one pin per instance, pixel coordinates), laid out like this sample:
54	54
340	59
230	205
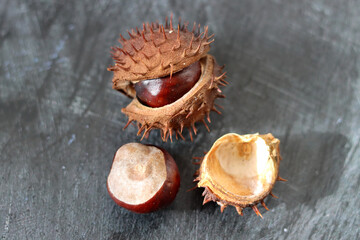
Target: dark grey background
293	69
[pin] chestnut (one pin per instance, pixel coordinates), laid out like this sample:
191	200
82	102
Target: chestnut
172	79
162	91
143	178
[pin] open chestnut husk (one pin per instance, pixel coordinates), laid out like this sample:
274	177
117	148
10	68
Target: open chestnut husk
150	68
240	170
143	178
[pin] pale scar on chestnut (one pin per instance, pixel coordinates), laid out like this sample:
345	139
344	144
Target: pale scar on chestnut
240	170
143	178
170	76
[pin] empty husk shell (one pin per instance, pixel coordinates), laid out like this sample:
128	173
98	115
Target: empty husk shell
240	170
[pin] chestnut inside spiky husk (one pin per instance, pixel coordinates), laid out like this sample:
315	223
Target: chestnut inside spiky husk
240	170
159	51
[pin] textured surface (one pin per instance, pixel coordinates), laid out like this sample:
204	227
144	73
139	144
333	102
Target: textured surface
293	67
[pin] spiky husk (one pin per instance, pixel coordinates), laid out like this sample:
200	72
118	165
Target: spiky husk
156	51
194	106
224	198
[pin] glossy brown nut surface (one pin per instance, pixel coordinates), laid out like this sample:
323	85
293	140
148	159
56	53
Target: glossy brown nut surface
159	178
163	91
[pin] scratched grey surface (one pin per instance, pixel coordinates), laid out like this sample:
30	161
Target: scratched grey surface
293	68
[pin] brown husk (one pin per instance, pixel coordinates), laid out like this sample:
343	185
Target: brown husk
160	50
194	106
156	51
215	192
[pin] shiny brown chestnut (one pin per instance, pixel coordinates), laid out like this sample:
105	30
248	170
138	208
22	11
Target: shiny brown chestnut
165	90
143	178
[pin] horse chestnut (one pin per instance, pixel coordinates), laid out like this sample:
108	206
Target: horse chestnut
159	92
143	178
149	68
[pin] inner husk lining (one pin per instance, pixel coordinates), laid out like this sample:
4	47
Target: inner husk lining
242	168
